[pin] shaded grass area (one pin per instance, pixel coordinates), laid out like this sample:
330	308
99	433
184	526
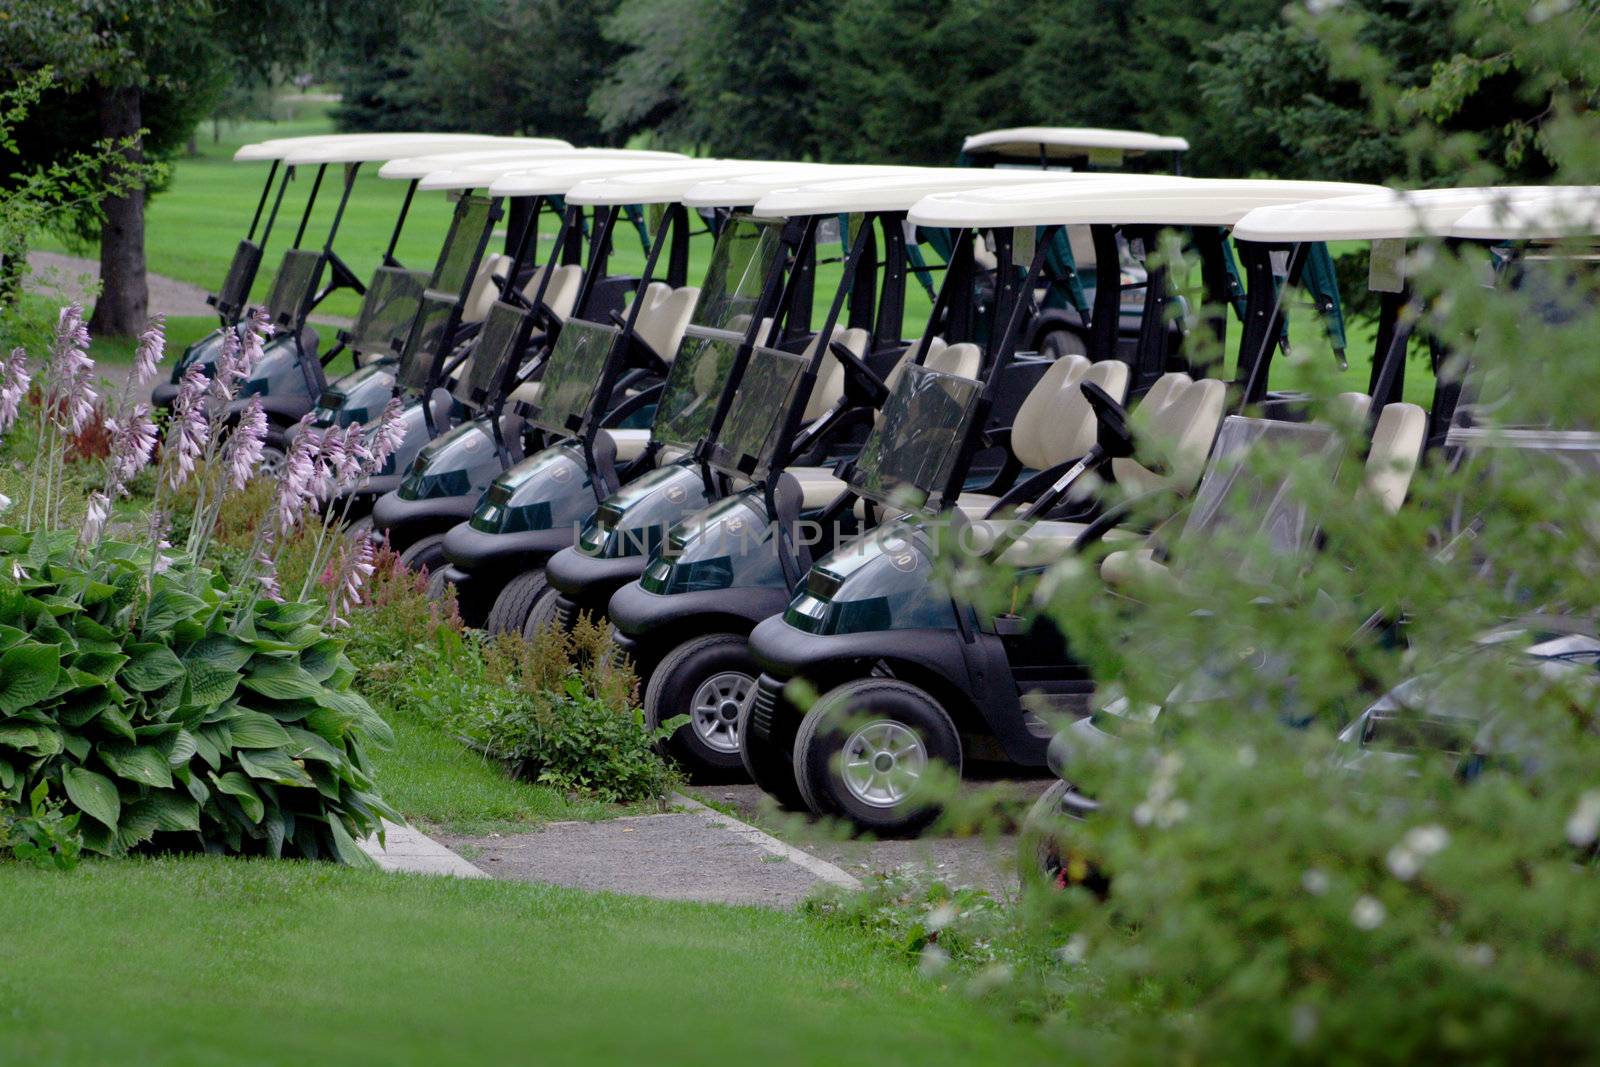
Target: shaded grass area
252	962
440	784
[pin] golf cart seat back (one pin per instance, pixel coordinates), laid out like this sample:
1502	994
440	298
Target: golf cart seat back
664	316
1055	423
484	291
1177	420
829	387
561	295
1397	443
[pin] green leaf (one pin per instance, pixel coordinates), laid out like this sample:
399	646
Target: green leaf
238	786
27	673
211	683
273	766
330	724
152	668
101	666
219	650
305	745
173	813
321	659
345	846
251	729
114	721
168	607
94	794
184	748
137	763
283	680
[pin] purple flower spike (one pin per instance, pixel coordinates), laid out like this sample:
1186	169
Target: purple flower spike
187	438
132	442
389	435
297	486
71	370
152	347
358	567
246	443
94	517
15	377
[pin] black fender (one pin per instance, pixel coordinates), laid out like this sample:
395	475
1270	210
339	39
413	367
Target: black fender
163	394
284	410
474	551
404	522
584	578
653	619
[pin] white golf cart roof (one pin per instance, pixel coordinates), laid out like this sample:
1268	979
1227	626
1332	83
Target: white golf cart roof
1147	199
548	179
384	147
511	158
1381	215
749	188
1557	211
1068	142
898	192
281	147
661	185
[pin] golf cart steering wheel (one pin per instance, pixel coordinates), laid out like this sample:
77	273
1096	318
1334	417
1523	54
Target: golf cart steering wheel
875	388
1112	432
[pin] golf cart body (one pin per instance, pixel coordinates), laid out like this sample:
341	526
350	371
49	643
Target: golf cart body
294	292
877	606
468	435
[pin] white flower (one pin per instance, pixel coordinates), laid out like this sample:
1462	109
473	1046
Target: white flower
1583	825
1368	913
1403	863
1427	840
933	959
1477	955
1303	1021
1075	951
1314	881
940	917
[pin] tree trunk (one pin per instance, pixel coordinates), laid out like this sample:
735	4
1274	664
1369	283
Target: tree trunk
124	301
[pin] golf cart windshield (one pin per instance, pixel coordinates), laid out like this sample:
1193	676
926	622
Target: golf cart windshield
387	310
497	351
572	373
755	421
694	386
241	275
745	251
910	455
1241	503
297	275
461	246
422	344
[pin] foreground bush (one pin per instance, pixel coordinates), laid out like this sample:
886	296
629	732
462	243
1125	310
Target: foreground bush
170	721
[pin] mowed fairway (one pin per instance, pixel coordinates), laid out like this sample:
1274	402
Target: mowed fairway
238	962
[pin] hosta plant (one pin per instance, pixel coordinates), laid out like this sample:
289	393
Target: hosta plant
171	720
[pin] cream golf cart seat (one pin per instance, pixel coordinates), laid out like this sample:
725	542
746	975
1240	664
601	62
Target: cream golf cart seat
1392	458
1175	423
663	318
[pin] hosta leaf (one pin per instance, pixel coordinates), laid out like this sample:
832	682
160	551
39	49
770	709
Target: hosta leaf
35	740
183	749
287	616
211	683
27	672
112	720
8	776
153	667
10	636
283	680
144	764
94	794
169	606
138	825
305	745
172	811
78	745
321	659
330	724
97	838
81	705
345	845
101	666
251	729
208	749
273	766
219	650
238	786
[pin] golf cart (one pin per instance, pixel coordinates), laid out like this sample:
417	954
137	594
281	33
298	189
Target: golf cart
462	442
288	374
598	376
875	629
518	523
1400	435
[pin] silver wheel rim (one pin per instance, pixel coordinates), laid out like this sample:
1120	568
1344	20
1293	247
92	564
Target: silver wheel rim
882	762
271	464
716	706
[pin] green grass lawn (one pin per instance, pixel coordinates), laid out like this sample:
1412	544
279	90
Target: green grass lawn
440	784
251	962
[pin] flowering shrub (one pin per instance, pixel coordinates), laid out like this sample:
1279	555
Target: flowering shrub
147	698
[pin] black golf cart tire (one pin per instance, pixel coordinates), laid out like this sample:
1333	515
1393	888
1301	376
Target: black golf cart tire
543	613
438	584
1039	845
1061	341
510	608
823	733
275	442
354	529
672	688
767	762
425	553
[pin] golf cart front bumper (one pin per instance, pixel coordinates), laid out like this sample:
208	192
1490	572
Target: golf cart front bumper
589	582
404	522
645	619
474	551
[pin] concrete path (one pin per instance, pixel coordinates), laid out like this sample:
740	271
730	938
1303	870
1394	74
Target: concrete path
406	849
690	854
